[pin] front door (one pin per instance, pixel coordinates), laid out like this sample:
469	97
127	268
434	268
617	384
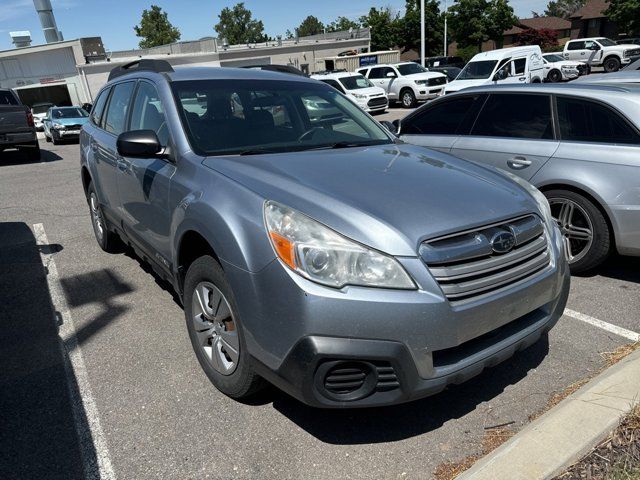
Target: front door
513	132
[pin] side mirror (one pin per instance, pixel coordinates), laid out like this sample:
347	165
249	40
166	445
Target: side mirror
391	75
390	126
396	123
139	143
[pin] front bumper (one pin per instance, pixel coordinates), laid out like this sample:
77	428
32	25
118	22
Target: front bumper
626	220
426	92
416	341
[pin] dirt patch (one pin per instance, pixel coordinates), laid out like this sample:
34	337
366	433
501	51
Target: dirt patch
617	458
619	353
491	440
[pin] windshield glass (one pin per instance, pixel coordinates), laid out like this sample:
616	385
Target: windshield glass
226	117
477	70
605	42
553	58
41	108
355	82
68	113
410	68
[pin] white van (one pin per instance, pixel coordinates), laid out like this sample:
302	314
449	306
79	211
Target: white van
506	65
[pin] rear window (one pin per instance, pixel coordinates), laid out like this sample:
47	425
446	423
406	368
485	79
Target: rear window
585	121
517	116
7	98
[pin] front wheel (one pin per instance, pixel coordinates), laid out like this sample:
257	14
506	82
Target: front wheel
408	98
108	241
217	337
554	76
611	64
585	233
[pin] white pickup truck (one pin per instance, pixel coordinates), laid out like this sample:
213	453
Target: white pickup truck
601	52
407	82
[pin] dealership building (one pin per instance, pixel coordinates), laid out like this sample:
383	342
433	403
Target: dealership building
71	72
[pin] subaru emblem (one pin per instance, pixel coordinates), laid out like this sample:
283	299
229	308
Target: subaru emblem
503	242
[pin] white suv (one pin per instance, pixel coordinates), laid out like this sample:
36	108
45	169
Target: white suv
357	89
601	52
407	82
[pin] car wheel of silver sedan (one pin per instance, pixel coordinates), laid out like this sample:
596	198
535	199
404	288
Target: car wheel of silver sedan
585	233
216	335
107	240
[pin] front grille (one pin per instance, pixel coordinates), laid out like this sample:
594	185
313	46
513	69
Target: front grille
633	53
73	127
468	265
377	102
345	378
437	81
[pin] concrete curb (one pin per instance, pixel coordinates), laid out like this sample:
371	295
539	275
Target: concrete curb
567	432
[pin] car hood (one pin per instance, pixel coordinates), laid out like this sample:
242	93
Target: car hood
460	84
625	46
368	91
390	197
71	121
563	63
424	75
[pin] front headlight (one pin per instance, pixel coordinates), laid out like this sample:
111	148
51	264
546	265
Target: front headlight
421	82
326	257
58	126
541	200
359	95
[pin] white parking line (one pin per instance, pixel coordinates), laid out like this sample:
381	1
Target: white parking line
85	412
622	332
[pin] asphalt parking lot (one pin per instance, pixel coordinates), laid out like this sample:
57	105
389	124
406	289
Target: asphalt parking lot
127	398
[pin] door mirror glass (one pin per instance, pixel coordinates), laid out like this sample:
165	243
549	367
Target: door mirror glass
390	126
139	143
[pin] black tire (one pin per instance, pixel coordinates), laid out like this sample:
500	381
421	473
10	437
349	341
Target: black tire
54	139
48	140
554	76
601	245
611	64
407	98
108	240
243	381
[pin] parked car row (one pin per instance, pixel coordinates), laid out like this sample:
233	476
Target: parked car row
17	126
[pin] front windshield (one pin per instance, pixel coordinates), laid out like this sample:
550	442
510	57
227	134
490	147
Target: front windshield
37	109
68	113
553	58
410	68
228	117
477	70
355	82
605	42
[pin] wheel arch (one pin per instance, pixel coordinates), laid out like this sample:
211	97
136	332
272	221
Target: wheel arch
553	70
86	179
190	246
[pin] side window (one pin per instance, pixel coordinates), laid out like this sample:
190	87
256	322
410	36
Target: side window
584	121
443	119
388	70
362	71
148	112
515	115
334	84
116	115
96	113
575	45
376	73
519	65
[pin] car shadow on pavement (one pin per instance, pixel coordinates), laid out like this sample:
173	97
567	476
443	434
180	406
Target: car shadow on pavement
388	424
619	268
14	157
38	436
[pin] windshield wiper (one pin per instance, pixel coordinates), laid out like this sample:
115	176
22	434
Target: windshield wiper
255	151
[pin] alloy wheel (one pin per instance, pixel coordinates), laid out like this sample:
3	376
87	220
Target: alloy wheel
215	328
575	226
96	216
407	99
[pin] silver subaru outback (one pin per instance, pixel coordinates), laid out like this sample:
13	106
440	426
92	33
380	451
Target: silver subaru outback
578	143
310	247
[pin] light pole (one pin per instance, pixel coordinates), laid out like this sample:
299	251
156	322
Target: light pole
446	47
422	47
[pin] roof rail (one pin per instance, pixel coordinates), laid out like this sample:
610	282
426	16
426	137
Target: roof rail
148	65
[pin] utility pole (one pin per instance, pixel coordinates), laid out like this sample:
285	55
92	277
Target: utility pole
422	46
446	47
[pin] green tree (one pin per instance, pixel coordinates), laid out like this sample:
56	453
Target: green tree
238	26
342	24
155	28
563	8
385	28
627	14
476	21
434	27
310	26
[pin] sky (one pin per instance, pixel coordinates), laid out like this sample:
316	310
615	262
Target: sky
113	20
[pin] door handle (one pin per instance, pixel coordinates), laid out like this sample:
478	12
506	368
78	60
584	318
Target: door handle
522	79
122	165
519	162
583	53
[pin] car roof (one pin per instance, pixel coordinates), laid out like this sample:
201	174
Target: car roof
335	75
502	52
583	89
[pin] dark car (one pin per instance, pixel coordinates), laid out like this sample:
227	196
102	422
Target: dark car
450	72
450	61
279	68
17	128
627	41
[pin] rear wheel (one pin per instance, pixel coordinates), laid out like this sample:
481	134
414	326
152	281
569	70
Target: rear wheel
408	98
554	76
217	337
109	241
611	64
585	233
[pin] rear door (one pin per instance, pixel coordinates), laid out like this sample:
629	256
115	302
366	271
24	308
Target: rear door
575	50
514	132
106	156
378	76
438	125
144	183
